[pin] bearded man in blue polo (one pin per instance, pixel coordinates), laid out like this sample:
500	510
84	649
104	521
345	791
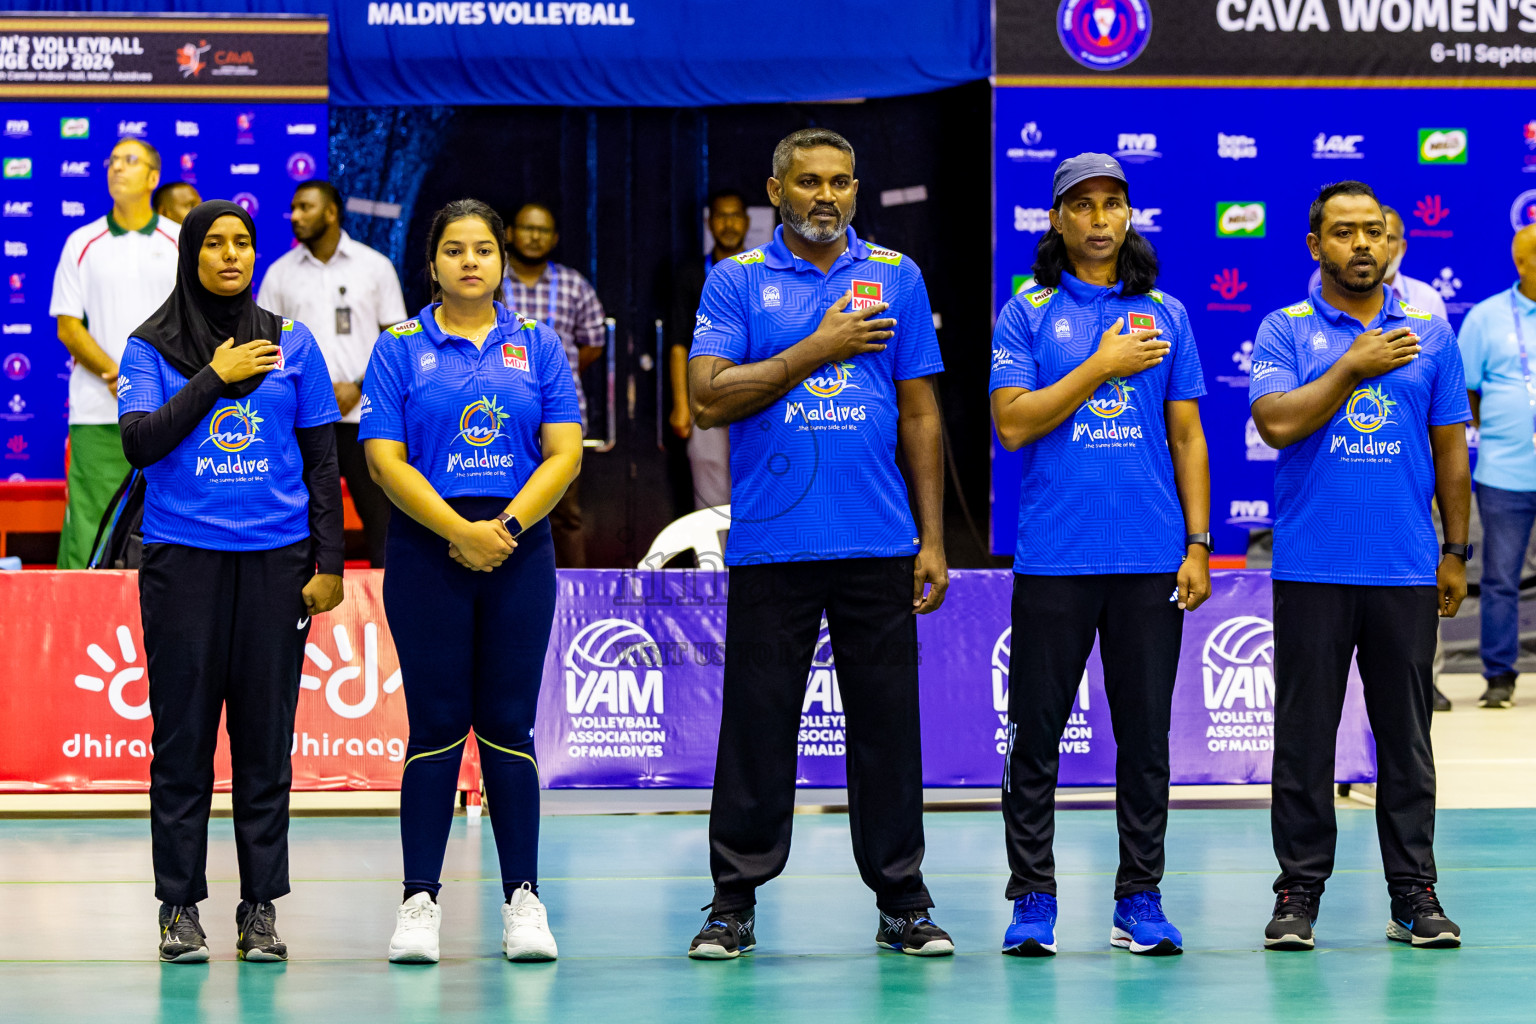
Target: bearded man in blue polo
819	351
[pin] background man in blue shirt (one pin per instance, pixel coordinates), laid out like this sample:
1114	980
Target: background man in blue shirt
1114	507
793	350
1498	346
1363	395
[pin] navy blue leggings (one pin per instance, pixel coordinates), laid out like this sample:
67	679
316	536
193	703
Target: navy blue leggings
471	648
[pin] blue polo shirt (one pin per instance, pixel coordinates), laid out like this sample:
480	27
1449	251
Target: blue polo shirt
813	476
1096	494
1352	501
469	417
236	483
1490	357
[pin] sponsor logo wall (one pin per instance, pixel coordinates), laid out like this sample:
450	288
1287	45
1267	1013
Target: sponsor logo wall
631	690
54	182
1230	174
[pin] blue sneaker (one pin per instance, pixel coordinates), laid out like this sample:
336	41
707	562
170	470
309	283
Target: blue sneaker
1142	927
1033	931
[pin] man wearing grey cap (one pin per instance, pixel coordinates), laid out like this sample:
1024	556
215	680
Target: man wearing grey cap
1095	378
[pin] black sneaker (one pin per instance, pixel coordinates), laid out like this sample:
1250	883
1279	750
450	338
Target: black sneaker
182	940
257	939
1439	700
725	936
1417	919
1291	926
914	932
1499	694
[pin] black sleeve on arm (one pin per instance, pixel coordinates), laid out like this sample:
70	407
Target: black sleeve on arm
323	479
149	437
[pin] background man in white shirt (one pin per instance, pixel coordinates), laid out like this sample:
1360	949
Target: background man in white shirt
113	274
345	293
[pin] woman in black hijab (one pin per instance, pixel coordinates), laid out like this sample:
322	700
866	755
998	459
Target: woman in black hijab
227	409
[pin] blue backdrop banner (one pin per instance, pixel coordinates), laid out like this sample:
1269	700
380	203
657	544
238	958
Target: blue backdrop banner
1221	180
643	53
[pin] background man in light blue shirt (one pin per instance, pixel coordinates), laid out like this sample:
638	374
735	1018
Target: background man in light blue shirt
1498	348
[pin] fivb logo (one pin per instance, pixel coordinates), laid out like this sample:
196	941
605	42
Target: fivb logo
1238	664
1136	148
613	665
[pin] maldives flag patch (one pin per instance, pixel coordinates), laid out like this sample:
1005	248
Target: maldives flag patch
865	294
514	357
1141	322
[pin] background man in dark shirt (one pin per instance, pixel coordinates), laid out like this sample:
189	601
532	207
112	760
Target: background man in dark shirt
709	451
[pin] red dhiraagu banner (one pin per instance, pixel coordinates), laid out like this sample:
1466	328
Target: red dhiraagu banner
75	698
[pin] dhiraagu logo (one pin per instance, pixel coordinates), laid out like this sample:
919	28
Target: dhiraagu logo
234	428
834	379
480	422
1368	408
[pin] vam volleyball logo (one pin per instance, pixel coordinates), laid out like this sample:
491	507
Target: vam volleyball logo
823	727
614	692
1104	34
480	422
1076	738
834	379
1237	671
234	427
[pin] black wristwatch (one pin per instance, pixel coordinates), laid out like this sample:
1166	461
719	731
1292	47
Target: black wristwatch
1461	551
509	520
1203	539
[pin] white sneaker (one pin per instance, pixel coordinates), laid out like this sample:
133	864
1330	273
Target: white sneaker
525	931
416	927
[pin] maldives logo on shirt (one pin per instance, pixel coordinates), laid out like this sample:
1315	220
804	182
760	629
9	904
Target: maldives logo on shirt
480	422
514	357
1117	401
1367	409
866	295
834	379
234	428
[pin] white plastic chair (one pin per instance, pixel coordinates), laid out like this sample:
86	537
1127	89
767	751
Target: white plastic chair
702	532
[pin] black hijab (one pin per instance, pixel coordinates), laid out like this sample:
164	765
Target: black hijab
194	321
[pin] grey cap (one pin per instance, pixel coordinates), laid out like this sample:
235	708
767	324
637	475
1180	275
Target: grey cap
1080	168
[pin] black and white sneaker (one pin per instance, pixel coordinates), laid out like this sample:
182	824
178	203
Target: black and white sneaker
914	932
725	936
1500	692
1417	919
182	940
257	937
1291	926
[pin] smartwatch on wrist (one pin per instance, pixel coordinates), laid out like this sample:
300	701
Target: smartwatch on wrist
509	520
1203	539
1461	551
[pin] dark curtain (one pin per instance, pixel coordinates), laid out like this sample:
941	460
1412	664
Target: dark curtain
382	154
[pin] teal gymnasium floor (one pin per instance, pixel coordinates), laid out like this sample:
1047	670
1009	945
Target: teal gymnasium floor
78	936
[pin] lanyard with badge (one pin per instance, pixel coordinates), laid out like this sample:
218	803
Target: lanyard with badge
343	313
1525	363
